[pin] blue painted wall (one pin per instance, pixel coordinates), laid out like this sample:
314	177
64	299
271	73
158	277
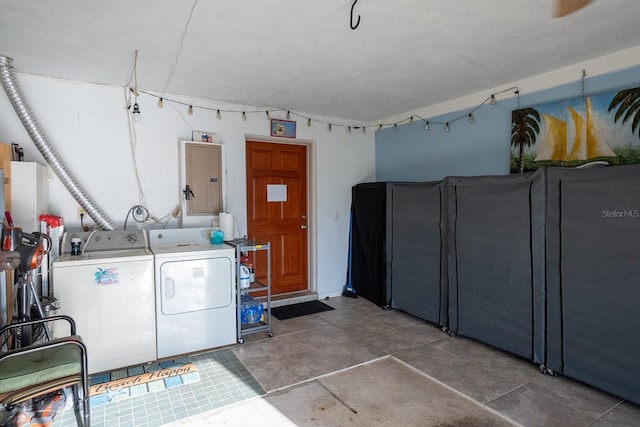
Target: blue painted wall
481	148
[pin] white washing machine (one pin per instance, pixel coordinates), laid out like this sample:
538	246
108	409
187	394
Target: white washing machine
195	291
109	291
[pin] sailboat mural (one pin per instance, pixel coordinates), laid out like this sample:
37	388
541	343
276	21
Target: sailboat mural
586	144
555	140
579	131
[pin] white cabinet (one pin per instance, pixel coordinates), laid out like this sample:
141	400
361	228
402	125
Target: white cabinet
29	194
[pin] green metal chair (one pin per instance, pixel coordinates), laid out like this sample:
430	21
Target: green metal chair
41	368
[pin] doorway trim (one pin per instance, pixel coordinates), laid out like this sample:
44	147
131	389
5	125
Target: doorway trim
312	229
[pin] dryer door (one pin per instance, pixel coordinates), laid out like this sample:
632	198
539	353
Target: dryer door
194	285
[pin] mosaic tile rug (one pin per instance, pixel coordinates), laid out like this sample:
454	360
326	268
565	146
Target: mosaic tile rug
124	383
223	380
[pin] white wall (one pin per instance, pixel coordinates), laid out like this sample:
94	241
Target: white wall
87	125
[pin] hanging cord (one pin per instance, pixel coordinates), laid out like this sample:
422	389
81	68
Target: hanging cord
584	103
133	141
139	213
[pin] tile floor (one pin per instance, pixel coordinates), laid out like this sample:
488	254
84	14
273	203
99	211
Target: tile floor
358	331
402	397
223	380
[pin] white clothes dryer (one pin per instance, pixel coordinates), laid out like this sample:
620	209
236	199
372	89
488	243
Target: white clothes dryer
195	291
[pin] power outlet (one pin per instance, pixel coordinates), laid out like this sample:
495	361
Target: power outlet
81	212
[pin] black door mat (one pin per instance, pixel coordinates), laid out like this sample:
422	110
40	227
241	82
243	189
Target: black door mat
300	309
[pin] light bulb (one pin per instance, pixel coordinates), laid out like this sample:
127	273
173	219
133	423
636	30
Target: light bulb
308	123
218	115
411	120
446	127
288	115
471	119
268	115
493	100
395	127
426	126
379	127
244	116
160	103
136	113
349	130
329	127
364	130
190	110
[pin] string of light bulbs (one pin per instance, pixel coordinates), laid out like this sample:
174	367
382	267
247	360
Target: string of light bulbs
350	128
136	113
468	116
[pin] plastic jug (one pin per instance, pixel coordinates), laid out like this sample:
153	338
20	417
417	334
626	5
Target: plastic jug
244	277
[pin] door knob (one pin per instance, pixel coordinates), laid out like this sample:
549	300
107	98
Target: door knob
303	226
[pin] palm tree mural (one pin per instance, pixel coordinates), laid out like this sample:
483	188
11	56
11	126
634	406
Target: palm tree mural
525	125
99	275
628	104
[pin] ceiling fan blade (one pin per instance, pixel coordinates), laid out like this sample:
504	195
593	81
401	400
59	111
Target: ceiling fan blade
565	7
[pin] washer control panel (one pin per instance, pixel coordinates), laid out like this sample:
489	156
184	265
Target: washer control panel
113	240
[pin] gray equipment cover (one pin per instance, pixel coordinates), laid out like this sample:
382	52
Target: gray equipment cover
496	261
418	266
593	276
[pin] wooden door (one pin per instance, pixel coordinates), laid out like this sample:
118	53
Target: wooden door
277	212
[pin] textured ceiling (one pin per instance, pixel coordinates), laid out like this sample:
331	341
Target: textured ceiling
302	55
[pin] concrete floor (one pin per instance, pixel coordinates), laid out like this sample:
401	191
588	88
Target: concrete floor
360	365
401	397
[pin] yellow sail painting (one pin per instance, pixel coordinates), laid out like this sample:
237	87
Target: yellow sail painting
586	143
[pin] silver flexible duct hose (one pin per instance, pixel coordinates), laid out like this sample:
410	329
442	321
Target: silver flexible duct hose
12	89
